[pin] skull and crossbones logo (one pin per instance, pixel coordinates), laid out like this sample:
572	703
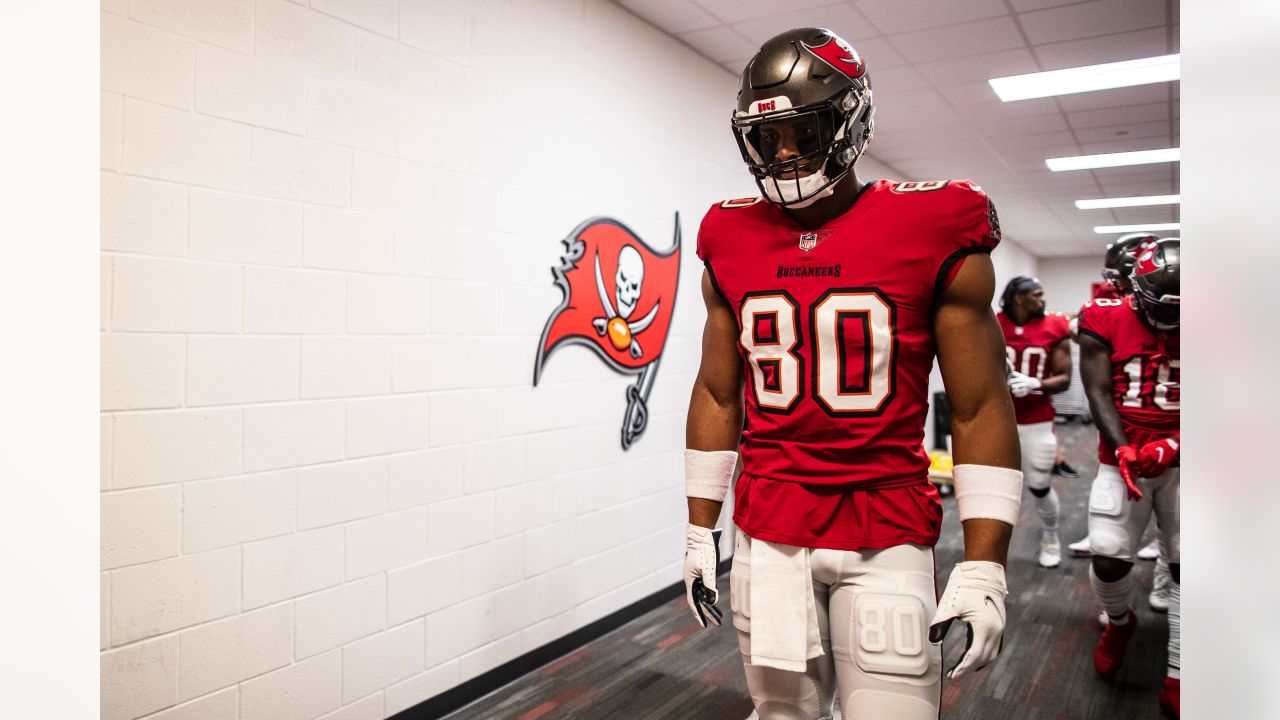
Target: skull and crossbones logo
627	286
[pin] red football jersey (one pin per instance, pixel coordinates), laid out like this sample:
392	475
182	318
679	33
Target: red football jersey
1107	292
1145	368
836	338
1028	348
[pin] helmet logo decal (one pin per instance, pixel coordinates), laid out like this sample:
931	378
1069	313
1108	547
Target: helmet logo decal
766	106
839	55
619	296
1148	260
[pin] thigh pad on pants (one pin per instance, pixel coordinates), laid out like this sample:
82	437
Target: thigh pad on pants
887	635
1112	516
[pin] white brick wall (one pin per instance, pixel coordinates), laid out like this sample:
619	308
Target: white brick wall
301	691
329	491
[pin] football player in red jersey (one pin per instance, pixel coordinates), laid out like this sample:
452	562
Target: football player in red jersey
1117	264
827	300
1038	347
1129	359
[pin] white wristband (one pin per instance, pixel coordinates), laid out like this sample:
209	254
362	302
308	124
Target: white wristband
707	474
983	491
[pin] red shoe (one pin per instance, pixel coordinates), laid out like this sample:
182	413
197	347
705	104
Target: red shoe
1169	696
1109	655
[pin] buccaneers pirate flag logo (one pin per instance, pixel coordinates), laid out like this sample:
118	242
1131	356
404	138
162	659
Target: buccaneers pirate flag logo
619	294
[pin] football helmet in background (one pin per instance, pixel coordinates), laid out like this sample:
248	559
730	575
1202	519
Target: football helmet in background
1156	283
1119	259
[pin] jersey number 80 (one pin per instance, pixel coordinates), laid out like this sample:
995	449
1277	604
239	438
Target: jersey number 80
854	355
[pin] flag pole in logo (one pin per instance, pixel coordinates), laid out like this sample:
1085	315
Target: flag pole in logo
619	295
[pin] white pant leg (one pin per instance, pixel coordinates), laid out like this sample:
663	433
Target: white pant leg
779	694
1165	502
1116	522
1039	450
881	604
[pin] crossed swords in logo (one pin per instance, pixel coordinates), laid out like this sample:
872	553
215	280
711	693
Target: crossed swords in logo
620	331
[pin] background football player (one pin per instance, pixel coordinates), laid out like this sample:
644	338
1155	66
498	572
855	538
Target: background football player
1129	350
1038	347
1117	266
826	303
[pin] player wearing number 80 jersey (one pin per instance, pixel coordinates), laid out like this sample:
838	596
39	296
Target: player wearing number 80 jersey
837	343
827	301
1036	346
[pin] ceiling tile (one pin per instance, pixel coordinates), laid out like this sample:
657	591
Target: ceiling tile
979	97
877	52
841	19
1131	131
1028	5
974	38
996	125
893	80
718	43
1109	48
895	16
1137	95
1125	144
1102	17
672	16
980	67
1150	112
733	11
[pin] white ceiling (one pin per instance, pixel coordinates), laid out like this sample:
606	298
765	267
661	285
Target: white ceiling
936	117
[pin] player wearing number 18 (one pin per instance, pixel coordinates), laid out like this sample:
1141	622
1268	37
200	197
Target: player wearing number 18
1129	360
827	301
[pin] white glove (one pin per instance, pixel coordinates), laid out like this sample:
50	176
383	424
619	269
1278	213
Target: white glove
975	593
1022	385
701	555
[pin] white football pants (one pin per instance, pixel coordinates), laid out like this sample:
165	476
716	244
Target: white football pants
874	609
1116	522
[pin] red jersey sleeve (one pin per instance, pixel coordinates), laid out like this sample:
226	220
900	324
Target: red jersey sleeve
1059	327
967	219
1095	319
713	224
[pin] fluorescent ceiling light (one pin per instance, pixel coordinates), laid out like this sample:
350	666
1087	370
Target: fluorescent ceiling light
1087	78
1101	203
1150	227
1106	160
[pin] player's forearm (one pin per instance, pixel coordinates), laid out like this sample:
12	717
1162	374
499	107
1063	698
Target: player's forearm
987	539
1055	384
988	435
703	512
715	418
1107	418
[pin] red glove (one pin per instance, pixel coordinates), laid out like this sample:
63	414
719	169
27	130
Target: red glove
1127	458
1156	457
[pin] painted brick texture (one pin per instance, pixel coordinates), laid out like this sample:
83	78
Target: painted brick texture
329	490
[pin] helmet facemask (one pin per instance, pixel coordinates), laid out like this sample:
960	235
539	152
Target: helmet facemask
1155	281
1162	313
827	139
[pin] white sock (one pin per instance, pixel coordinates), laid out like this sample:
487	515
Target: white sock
1114	596
1047	508
1175	630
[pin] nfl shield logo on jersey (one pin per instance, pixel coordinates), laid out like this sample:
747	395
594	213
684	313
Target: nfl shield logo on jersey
808	241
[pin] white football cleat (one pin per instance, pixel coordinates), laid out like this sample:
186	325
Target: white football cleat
1080	548
1161	579
1151	551
1050	550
